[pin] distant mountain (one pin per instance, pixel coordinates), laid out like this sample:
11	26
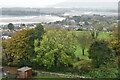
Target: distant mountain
94	5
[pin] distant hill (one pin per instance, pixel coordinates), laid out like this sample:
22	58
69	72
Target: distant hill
63	7
94	5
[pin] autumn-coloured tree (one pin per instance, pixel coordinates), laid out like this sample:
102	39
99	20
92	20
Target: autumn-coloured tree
18	49
116	42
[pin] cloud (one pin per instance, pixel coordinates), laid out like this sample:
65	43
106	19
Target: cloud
28	3
92	0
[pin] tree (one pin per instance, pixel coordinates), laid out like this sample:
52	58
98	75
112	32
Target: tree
96	28
22	24
38	31
100	53
83	39
18	49
56	50
115	41
11	26
94	34
112	27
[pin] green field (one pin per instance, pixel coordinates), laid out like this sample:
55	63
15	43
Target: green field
85	58
78	52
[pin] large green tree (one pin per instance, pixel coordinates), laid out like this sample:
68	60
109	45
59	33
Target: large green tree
83	39
38	31
101	53
55	50
97	26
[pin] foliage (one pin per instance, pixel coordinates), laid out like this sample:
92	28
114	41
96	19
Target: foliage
94	34
101	53
104	73
18	48
112	27
38	31
115	41
11	26
55	50
83	39
82	66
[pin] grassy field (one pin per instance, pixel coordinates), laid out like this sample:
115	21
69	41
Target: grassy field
104	35
78	52
84	58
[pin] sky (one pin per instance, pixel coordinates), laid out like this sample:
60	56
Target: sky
42	3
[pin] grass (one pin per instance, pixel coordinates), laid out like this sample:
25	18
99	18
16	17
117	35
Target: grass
78	52
50	78
104	35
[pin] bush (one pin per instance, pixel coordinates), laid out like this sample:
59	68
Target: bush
104	73
101	53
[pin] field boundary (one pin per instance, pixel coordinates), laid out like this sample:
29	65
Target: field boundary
57	75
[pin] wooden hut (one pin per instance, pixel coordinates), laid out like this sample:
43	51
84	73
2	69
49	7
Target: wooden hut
24	72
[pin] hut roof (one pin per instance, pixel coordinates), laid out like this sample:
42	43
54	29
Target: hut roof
24	69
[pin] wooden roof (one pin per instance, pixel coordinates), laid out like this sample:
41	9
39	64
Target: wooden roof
24	69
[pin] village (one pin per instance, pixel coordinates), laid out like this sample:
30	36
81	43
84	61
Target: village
73	23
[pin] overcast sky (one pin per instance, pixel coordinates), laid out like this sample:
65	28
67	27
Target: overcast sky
42	3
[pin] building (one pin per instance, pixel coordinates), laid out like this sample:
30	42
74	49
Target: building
11	72
24	72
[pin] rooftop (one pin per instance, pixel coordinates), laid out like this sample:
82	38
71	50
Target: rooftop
24	69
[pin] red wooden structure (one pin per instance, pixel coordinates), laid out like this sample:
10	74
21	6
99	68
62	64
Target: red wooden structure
24	72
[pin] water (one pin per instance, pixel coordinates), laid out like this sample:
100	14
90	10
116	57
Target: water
29	19
79	13
48	18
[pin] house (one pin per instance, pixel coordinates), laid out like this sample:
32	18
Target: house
24	72
11	72
6	37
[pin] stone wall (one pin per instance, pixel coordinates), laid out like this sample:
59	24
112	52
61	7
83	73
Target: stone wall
57	75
